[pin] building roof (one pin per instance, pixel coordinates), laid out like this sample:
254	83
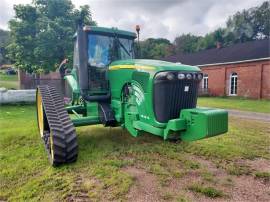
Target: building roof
253	50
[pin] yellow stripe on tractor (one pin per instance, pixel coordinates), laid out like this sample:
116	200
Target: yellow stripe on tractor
116	67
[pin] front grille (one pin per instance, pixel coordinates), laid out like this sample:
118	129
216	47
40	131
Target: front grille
171	96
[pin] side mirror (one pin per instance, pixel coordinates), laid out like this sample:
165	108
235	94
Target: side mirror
62	67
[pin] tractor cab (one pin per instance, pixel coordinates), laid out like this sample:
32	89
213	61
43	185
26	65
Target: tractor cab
95	49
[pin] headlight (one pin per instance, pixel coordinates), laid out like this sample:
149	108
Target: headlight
189	76
181	76
170	76
161	75
200	76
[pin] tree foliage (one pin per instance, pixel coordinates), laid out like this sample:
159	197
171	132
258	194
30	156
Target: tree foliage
42	33
186	43
247	25
156	48
4	40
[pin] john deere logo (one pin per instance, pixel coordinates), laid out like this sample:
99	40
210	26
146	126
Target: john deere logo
186	89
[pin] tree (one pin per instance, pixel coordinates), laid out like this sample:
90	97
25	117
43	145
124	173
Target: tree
249	25
156	48
211	39
42	33
186	43
206	42
261	18
240	27
4	40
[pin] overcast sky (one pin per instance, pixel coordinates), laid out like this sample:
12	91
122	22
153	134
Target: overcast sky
157	18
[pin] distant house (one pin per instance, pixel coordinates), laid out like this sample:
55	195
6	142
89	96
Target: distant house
238	70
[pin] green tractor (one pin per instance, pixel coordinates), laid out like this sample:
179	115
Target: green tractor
108	86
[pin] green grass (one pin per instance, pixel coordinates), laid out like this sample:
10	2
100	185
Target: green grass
103	153
236	103
263	175
207	191
9	81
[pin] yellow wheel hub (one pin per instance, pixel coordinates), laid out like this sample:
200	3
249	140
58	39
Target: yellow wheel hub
40	114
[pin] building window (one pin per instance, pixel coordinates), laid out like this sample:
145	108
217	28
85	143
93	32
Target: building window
233	84
205	81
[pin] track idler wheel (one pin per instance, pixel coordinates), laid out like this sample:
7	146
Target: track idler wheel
55	126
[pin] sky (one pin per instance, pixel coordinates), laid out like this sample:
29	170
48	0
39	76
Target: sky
157	18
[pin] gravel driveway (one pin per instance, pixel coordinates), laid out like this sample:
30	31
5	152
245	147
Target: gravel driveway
250	115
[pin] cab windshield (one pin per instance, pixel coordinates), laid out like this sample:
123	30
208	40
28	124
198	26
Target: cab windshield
102	49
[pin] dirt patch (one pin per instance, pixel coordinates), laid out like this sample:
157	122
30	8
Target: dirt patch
235	188
145	187
180	186
260	165
78	194
246	188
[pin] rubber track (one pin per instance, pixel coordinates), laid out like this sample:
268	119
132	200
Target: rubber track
62	129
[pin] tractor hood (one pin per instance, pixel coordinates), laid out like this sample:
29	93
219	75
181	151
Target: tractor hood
151	65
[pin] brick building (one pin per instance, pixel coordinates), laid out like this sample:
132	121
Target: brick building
238	70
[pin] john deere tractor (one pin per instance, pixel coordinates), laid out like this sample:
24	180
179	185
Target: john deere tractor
108	86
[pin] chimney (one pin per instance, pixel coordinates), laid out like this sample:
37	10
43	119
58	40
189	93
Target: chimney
218	45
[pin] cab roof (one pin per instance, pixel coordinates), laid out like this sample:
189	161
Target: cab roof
113	30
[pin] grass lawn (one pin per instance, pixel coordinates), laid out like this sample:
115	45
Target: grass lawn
236	103
112	165
9	81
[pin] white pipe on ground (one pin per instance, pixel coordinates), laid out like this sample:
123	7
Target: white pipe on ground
17	96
